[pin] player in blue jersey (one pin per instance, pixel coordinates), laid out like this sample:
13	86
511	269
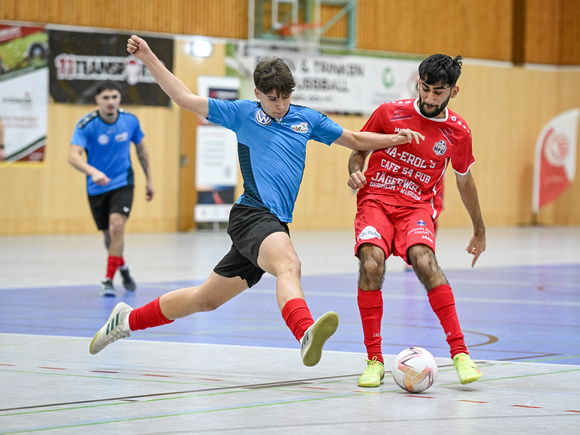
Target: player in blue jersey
272	134
105	136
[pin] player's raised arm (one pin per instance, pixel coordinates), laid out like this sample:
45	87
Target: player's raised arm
366	140
170	84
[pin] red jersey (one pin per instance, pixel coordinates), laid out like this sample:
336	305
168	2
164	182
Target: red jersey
411	175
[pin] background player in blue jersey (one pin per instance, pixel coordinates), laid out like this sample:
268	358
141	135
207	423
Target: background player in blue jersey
105	136
272	136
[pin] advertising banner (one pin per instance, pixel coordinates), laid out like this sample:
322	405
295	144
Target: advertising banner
555	162
216	173
332	84
80	60
24	92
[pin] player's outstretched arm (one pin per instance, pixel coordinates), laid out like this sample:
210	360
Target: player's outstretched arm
170	84
366	140
356	165
468	192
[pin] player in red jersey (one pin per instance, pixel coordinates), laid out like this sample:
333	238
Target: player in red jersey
399	199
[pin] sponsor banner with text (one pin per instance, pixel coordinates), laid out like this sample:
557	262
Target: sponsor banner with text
24	91
80	60
332	84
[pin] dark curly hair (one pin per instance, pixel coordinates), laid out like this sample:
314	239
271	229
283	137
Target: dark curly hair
440	69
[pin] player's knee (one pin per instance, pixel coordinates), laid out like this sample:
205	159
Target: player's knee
372	270
293	266
423	259
116	225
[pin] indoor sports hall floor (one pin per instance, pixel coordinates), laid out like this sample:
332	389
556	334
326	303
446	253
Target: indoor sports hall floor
238	369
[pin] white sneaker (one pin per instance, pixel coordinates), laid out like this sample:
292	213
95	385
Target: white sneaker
315	337
117	327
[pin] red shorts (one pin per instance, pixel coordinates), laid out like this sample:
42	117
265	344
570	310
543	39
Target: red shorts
394	229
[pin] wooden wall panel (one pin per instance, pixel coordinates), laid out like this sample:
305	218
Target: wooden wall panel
543	34
475	29
472	29
218	18
570	28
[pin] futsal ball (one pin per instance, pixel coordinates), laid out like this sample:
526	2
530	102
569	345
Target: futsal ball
414	369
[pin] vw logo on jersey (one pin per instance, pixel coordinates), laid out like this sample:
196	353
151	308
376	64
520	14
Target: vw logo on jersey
103	139
440	148
262	118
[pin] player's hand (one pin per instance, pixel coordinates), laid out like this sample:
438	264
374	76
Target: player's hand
138	47
149	191
357	180
407	136
100	179
476	247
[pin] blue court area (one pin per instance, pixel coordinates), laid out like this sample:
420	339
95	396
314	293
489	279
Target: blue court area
515	313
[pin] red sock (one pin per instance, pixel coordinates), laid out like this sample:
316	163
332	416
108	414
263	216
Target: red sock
443	304
297	316
113	264
370	305
147	316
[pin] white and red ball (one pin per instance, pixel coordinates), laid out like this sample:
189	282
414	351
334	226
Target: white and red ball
414	369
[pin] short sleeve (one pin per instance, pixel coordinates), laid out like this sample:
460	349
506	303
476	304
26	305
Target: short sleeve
376	122
228	114
326	130
79	138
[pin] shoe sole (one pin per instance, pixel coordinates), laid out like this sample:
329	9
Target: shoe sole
120	305
369	385
322	330
471	379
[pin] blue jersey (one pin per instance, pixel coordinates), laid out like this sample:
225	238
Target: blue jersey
272	154
108	147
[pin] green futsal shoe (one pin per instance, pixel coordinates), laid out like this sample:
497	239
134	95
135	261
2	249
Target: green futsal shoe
466	369
373	375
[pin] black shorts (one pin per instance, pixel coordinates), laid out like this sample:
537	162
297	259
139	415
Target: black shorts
248	227
115	201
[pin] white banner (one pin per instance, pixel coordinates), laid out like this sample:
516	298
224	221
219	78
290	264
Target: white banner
555	160
334	84
24	113
216	155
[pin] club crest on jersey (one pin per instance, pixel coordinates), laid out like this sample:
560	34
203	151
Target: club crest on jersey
300	128
262	118
440	148
421	223
103	139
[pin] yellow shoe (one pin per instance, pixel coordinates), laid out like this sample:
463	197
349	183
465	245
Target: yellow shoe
373	375
466	369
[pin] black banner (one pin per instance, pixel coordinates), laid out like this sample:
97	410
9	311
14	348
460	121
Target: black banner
78	61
